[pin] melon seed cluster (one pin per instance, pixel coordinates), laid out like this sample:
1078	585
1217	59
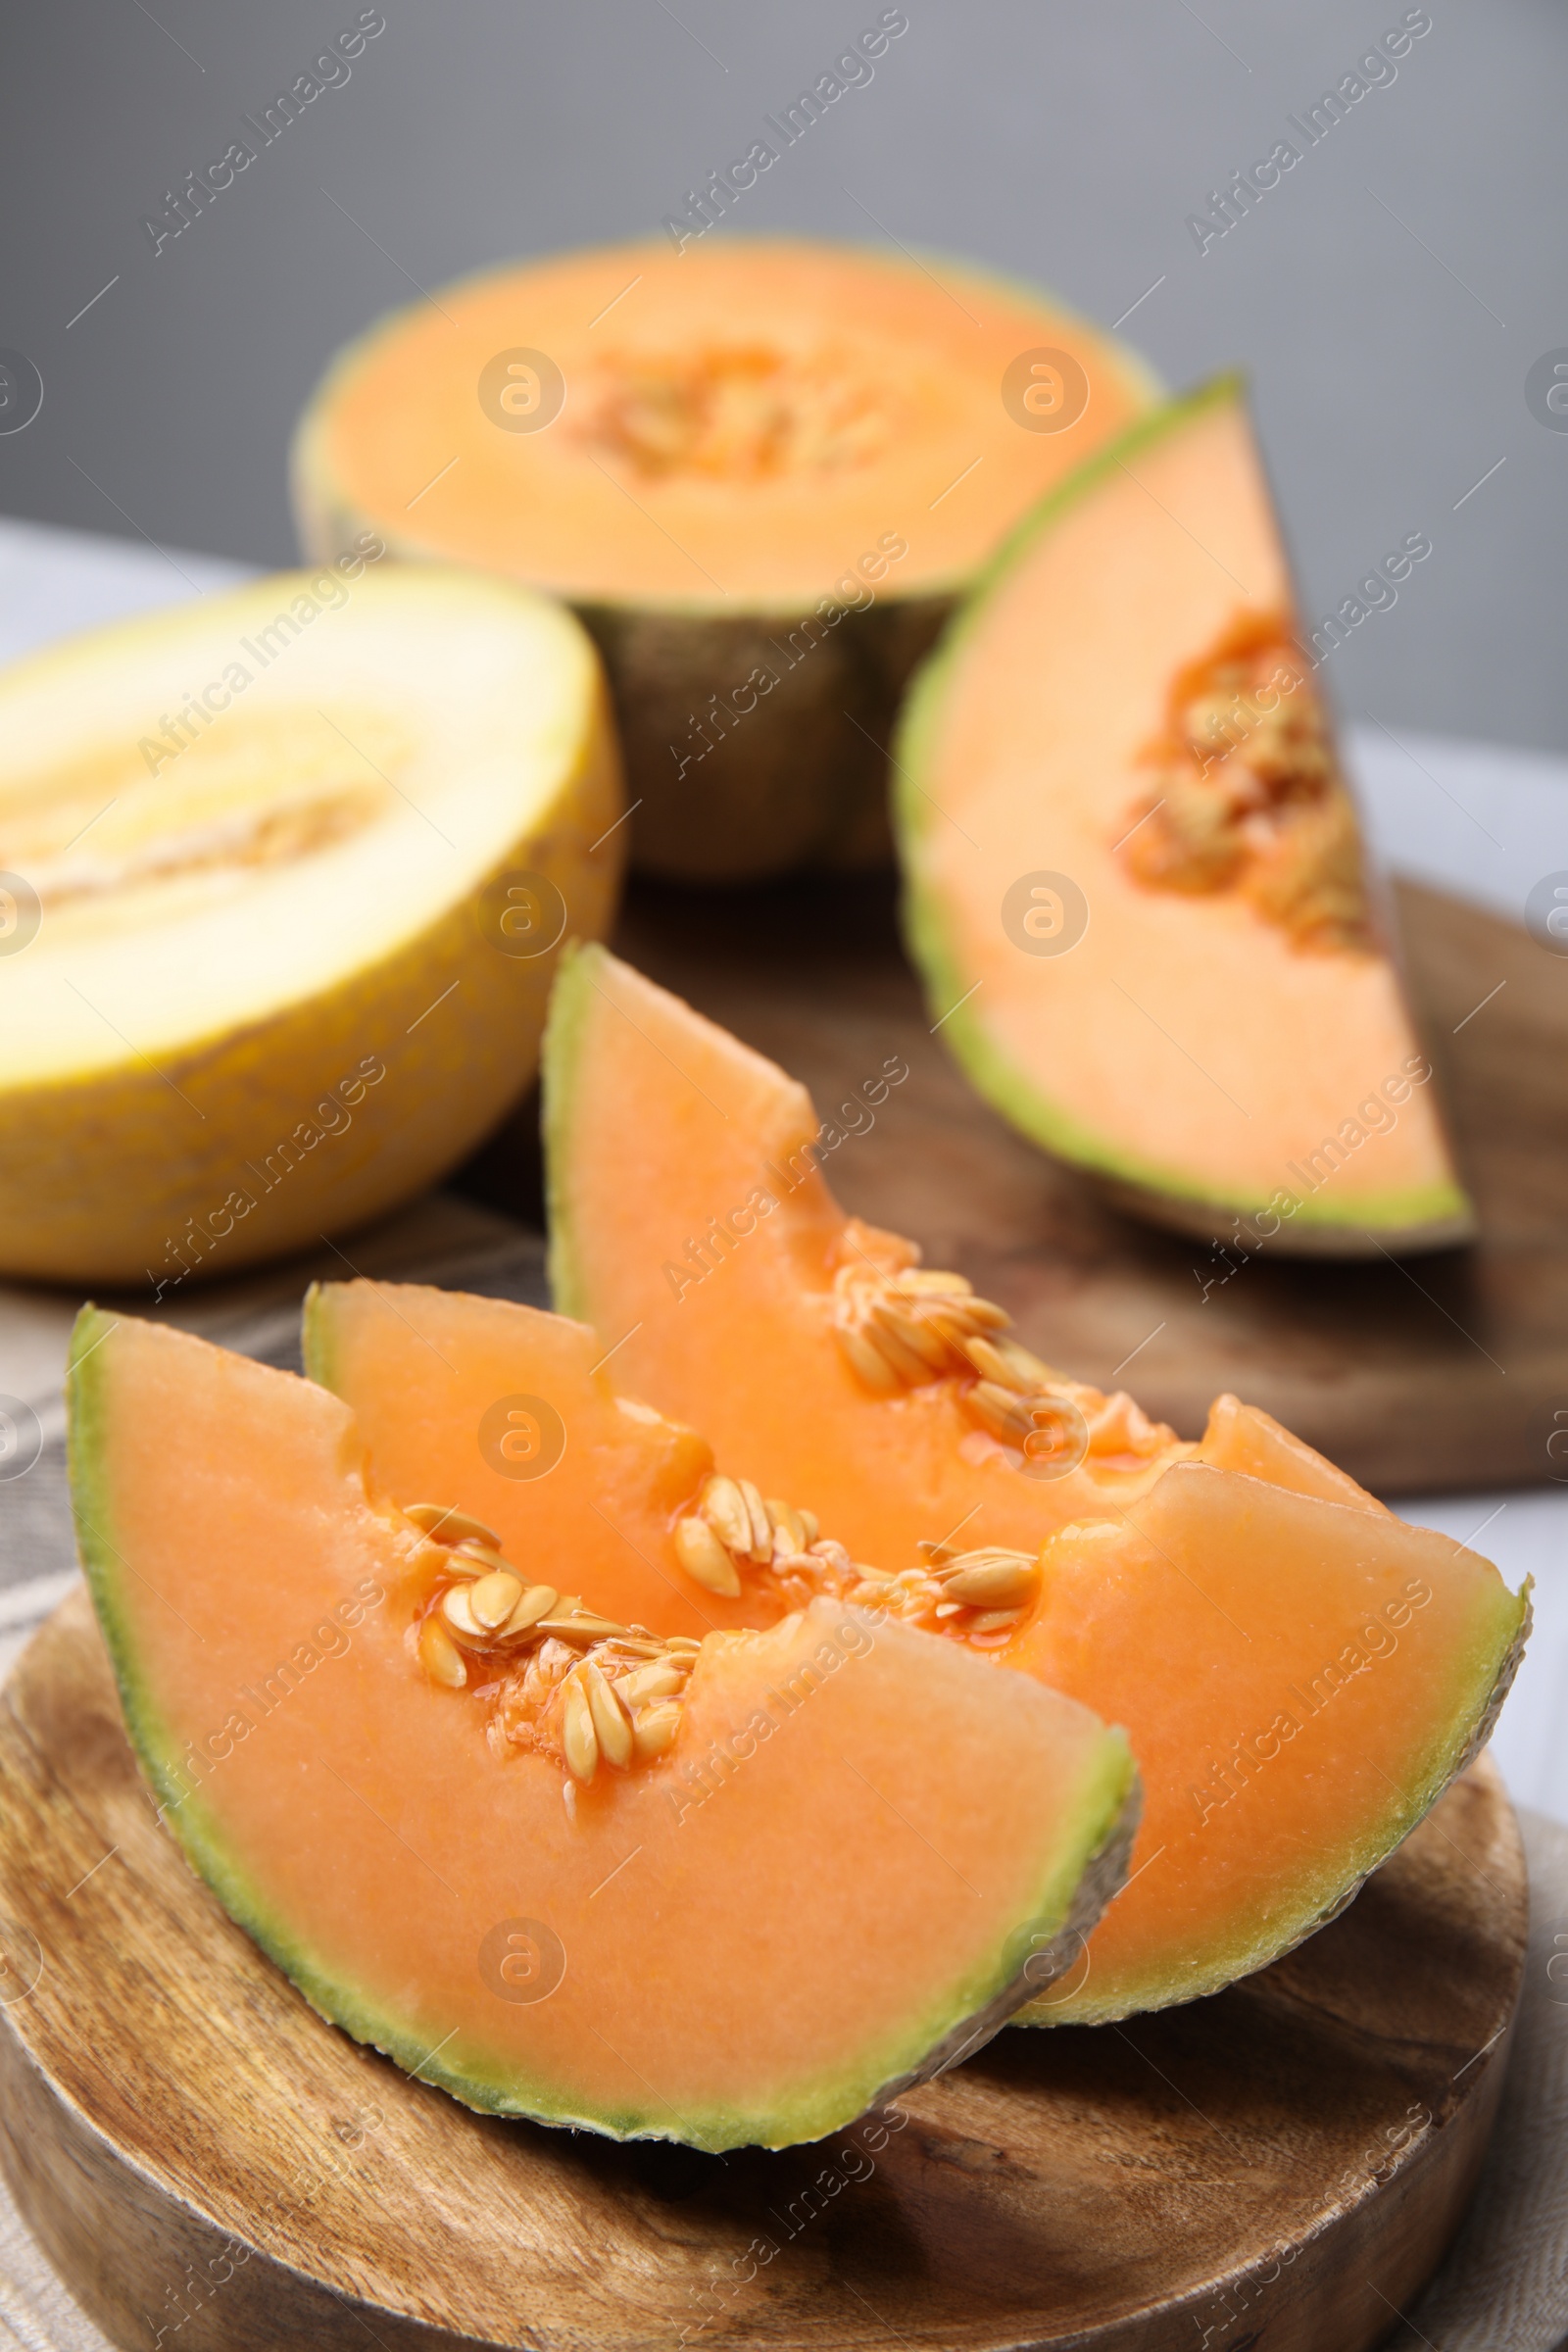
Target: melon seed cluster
734	1528
1247	794
735	1534
737	413
563	1681
900	1326
979	1597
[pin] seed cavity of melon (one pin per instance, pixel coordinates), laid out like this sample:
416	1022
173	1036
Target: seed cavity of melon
449	1526
898	1325
1247	794
593	1692
720	1545
561	1680
733	1528
289	782
743	413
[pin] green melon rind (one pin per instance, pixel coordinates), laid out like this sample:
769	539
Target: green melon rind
1481	1687
560	1058
318	1336
1075	1883
158	1749
1406	1211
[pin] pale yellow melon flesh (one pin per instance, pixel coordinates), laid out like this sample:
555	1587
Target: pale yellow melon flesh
263	847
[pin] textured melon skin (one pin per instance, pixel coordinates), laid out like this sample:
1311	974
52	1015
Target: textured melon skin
801	781
1434	1216
1074	1878
103	1175
794	783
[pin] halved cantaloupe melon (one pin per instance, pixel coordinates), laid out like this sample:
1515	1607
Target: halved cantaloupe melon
761	469
1134	880
1300	1674
285	871
398	1839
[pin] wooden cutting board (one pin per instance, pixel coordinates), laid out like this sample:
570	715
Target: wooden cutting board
1445	1371
209	2165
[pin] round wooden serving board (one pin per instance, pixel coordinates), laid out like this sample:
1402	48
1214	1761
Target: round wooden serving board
208	2164
1444	1371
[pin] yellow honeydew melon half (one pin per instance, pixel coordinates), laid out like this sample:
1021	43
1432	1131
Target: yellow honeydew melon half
283	873
759	469
1134	879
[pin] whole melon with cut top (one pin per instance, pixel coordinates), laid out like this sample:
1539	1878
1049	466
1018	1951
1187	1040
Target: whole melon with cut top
1300	1674
720	1888
1134	879
282	876
761	469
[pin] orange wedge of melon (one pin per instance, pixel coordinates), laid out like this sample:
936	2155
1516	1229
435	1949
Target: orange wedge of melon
691	1227
512	1416
745	1925
1299	1679
1300	1674
1134	880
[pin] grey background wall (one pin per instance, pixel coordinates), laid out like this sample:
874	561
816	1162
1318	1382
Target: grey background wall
1388	296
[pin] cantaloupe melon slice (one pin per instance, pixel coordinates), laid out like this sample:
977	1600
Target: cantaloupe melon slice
512	1416
761	469
1134	880
281	875
1300	1680
1300	1674
738	1938
689	1225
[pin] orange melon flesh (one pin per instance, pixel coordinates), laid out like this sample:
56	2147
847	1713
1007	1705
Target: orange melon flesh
1301	1673
666	1137
1243	1437
747	418
353	1818
1300	1681
422	1369
1203	1054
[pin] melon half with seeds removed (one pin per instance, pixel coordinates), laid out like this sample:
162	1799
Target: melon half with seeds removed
722	1891
761	469
1300	1674
1134	879
282	874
